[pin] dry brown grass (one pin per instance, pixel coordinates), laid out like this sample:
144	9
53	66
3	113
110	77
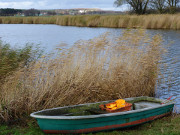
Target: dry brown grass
155	21
95	70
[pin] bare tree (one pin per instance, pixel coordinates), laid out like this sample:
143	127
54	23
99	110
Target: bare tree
173	5
139	6
51	13
159	5
32	12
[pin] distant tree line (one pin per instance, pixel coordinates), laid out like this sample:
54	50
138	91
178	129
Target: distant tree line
28	12
142	6
9	11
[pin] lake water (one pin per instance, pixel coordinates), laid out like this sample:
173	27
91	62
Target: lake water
50	36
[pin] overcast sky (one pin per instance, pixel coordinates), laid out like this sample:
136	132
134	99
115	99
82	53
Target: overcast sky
59	4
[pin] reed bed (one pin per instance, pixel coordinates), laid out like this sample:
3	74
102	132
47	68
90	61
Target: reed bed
103	68
155	21
28	20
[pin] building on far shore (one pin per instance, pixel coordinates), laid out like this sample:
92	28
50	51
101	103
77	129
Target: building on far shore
51	12
85	11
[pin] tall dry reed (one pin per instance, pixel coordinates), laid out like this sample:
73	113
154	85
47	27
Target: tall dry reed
155	21
103	68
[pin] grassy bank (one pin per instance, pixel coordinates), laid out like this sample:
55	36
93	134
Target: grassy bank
165	126
103	68
160	21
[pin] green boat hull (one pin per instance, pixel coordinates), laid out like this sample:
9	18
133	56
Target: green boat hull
102	122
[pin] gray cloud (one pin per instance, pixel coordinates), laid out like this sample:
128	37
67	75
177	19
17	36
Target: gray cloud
58	4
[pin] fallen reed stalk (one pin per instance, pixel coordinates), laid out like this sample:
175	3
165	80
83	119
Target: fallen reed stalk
103	68
155	21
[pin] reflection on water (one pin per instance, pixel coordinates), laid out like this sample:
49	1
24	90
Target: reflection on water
49	36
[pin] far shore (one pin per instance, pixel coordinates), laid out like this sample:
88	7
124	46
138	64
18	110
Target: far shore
152	21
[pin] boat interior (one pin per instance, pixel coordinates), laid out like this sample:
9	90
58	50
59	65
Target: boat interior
94	109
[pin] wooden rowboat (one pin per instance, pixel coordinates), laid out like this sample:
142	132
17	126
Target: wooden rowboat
87	118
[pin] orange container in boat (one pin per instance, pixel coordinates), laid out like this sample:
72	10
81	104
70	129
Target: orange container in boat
126	108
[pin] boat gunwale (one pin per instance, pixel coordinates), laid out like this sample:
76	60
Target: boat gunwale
34	115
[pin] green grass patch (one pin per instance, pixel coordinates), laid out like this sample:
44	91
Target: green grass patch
13	58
